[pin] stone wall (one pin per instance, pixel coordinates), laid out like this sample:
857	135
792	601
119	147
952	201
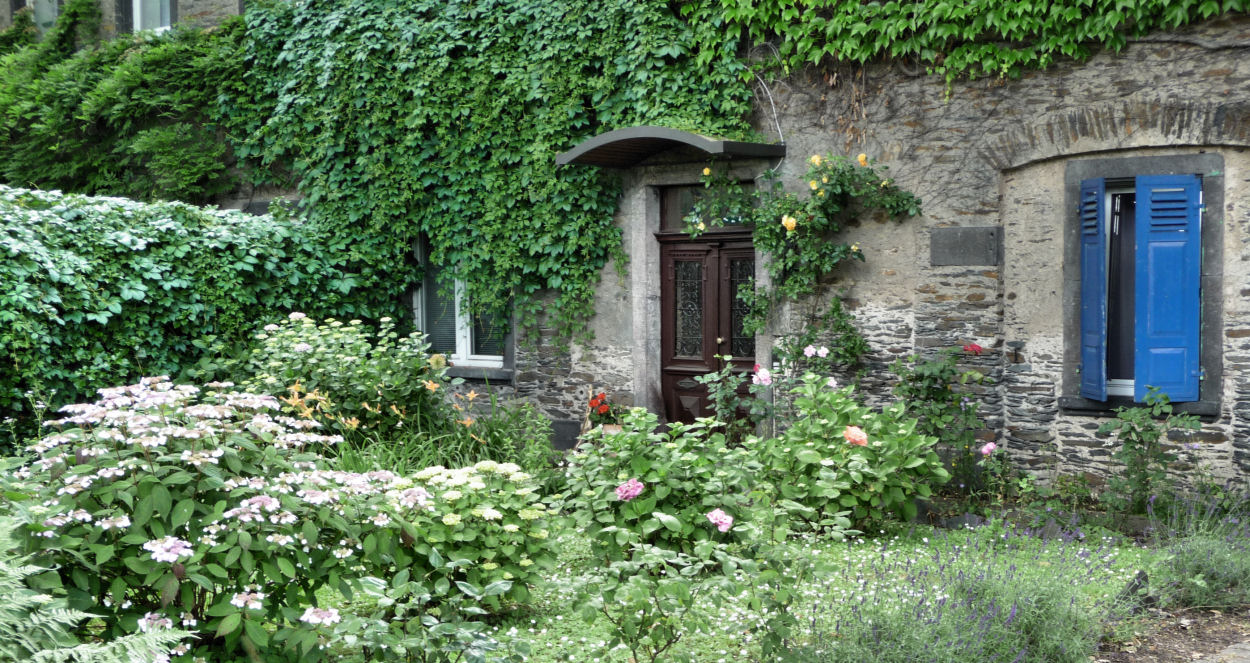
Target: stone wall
992	153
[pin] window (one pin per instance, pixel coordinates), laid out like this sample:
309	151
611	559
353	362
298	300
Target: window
46	12
469	341
155	15
1141	284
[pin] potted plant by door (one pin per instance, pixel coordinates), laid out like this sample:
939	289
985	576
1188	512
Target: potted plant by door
602	412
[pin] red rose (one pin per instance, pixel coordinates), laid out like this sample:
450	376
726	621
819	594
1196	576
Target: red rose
603	409
594	402
602	396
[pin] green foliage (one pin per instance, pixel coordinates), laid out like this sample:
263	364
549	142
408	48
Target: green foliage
362	382
404	626
100	291
739	412
1207	539
980	38
650	599
20	33
443	118
685	473
927	390
839	456
35	627
799	235
833	331
1141	432
168	502
132	116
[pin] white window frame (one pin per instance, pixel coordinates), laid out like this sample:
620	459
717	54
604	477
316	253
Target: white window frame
1116	386
136	12
463	355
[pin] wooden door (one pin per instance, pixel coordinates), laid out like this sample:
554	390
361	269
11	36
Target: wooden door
701	316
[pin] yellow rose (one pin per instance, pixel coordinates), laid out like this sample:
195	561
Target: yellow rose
701	226
885	183
814	185
863	159
789	222
815	160
707	171
854	247
824	180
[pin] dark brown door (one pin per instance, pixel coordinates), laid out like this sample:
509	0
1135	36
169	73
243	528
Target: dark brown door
701	315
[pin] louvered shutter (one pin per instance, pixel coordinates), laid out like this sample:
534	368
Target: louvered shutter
1090	209
1169	279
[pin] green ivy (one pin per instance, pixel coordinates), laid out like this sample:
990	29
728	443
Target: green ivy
947	37
444	117
129	117
20	33
100	291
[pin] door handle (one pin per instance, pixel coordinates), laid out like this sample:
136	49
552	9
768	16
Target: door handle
719	340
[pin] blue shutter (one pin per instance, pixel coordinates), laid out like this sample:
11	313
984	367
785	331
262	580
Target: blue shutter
1169	277
1090	209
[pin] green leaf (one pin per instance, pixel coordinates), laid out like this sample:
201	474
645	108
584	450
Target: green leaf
229	624
669	522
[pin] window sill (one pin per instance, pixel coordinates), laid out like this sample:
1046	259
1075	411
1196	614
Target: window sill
481	373
1077	405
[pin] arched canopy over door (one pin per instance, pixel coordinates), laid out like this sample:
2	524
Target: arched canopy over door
626	148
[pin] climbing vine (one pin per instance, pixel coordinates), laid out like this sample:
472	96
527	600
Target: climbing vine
799	234
952	38
443	118
129	117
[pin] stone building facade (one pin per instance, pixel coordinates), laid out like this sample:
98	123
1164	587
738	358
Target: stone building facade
995	258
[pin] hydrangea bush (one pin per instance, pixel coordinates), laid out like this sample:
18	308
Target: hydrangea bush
167	505
672	489
838	454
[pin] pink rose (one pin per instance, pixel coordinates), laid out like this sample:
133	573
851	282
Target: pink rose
988	448
856	435
722	520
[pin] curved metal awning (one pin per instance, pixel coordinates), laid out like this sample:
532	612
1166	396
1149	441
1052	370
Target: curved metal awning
625	148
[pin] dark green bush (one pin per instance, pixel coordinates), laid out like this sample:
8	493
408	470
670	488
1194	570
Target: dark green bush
99	291
132	116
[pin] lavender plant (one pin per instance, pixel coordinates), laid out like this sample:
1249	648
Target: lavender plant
165	505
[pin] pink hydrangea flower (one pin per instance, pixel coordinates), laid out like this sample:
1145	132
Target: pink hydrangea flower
168	549
988	448
325	616
722	520
629	490
856	435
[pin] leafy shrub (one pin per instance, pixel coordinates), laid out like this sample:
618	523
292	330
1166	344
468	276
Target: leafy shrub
642	486
37	627
927	389
131	116
100	291
839	454
167	502
1140	432
369	382
650	599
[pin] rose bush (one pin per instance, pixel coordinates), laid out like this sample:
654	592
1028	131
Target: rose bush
642	486
838	454
170	505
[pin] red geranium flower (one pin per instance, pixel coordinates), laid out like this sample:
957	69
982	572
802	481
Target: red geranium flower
603	409
594	402
974	349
